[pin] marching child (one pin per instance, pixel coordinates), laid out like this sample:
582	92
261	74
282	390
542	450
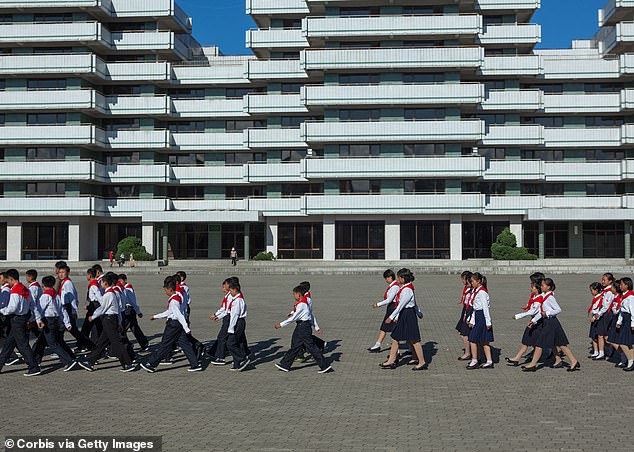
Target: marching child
480	323
185	287
236	332
34	286
388	300
176	330
302	336
319	342
625	323
130	313
463	326
68	296
596	290
529	338
601	316
93	299
183	290
219	350
613	333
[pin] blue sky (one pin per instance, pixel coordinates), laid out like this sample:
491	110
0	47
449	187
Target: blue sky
224	22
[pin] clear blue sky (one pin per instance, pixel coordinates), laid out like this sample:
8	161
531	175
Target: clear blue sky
224	22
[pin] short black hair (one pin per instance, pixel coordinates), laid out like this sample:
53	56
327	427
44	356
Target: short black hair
406	274
48	282
616	285
550	283
60	264
110	278
610	276
177	278
389	273
480	278
182	274
628	282
92	271
123	276
596	286
234	285
12	273
305	285
298	289
98	268
537	276
32	273
466	274
169	283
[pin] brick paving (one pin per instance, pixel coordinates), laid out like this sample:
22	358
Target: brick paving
359	407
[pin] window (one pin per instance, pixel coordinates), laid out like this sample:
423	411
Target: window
242	158
291	23
603	87
121	157
604	154
541	189
196	93
45	154
556	239
360	115
423	149
487	188
46	118
50	17
233	236
424	186
285	56
425	240
186	159
188	240
3	239
420	10
359	150
44	241
122	90
498	119
550	88
185	192
295	121
546	156
299	241
294	190
293	155
45	189
477	238
604	189
132	26
237	192
184	127
604	240
121	191
237	126
494	85
424	78
546	121
46	84
360	186
359	240
360	11
426	43
531	237
424	113
359	79
237	93
291	88
114	125
492	153
110	234
603	121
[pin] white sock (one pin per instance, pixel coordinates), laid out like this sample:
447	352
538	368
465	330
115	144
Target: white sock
595	354
489	363
601	354
473	362
377	345
630	362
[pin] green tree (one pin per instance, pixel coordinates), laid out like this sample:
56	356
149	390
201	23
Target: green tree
133	245
505	248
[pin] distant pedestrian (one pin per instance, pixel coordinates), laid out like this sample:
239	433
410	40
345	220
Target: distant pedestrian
122	260
234	256
132	261
111	257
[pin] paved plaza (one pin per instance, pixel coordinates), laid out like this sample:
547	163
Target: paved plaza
359	407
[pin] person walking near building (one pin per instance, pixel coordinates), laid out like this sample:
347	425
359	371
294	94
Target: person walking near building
111	257
234	256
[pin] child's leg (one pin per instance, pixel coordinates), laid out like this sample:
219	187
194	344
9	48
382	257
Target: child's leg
568	353
111	329
21	335
467	348
393	352
51	333
595	347
487	352
418	349
234	342
296	346
474	351
523	349
221	340
628	352
601	343
170	336
309	344
185	342
536	355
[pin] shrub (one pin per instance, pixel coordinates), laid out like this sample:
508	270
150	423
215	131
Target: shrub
505	248
264	256
135	246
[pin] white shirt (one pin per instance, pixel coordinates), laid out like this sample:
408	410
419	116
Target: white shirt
549	306
109	305
237	310
608	296
68	294
627	305
95	293
36	291
51	306
223	311
5	292
301	313
17	305
532	310
174	312
391	292
481	302
406	299
188	297
121	297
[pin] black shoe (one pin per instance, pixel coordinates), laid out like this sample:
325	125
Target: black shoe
200	351
197	368
487	366
128	368
389	366
13	361
475	366
529	369
462	358
327	370
620	365
71	366
218	362
597	358
282	368
86	366
374	349
561	365
167	361
33	373
148	368
574	368
629	368
511	362
423	367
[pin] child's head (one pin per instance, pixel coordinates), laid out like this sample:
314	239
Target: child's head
98	269
596	288
108	280
298	292
48	282
405	276
123	278
607	279
91	273
536	288
182	275
31	275
626	284
59	265
169	285
389	276
177	278
63	272
548	285
537	276
616	287
466	277
478	279
3	278
12	276
305	285
234	287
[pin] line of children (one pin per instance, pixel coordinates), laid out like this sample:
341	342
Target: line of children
467	309
479	321
389	297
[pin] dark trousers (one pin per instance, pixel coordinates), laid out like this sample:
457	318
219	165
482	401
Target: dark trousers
236	341
89	329
172	335
110	335
82	341
221	341
131	323
303	339
53	336
18	337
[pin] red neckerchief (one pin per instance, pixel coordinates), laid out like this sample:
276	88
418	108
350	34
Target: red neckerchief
545	297
303	300
64	281
626	294
178	297
530	302
128	286
618	299
34	283
465	292
474	293
111	289
598	298
179	289
232	300
398	294
91	283
19	289
223	304
50	292
392	284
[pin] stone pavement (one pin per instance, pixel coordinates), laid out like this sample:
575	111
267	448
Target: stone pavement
359	407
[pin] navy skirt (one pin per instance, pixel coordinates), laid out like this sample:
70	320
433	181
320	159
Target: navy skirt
551	334
601	328
613	334
462	326
406	328
530	336
388	327
625	336
480	333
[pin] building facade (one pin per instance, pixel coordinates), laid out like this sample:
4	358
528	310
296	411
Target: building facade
375	129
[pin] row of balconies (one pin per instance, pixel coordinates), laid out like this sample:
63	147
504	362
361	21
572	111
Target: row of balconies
469	167
472	131
615	11
251	209
167	12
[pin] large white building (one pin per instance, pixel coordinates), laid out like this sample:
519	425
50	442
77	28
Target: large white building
374	129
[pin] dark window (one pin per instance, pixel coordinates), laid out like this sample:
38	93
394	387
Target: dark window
238	192
420	10
45	189
293	155
604	240
492	153
423	149
494	85
46	84
360	186
531	237
603	87
425	240
122	157
110	234
233	236
556	239
605	189
359	150
185	192
424	113
360	115
291	88
121	191
122	90
302	189
45	153
46	118
541	189
196	93
188	240
424	186
184	127
44	241
186	159
240	125
432	77
604	154
547	156
359	79
359	240
603	121
50	17
487	188
295	121
498	119
546	121
551	88
299	241
292	23
477	238
237	93
360	11
242	158
3	239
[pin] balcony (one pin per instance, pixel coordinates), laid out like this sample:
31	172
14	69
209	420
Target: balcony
627	169
392	58
514	135
58	170
214	74
512	5
276	39
54	136
512	205
273	103
50	206
274	207
514	170
513	100
392	131
210	141
273	138
513	66
276	7
126	207
206	108
431	94
466	203
273	172
428	167
582	103
517	35
138	71
391	26
137	105
48	64
167	12
582	171
134	174
627	99
574	137
615	11
137	139
155	41
215	174
557	68
60	100
275	70
48	32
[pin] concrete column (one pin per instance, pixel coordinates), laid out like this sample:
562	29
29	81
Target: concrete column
329	238
271	236
627	228
455	238
393	239
247	245
74	240
575	239
14	240
147	237
541	241
214	250
517	230
88	233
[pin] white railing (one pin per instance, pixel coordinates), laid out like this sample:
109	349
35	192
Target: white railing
273	103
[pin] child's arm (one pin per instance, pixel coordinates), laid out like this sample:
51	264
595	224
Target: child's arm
176	310
299	310
485	310
405	298
391	294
